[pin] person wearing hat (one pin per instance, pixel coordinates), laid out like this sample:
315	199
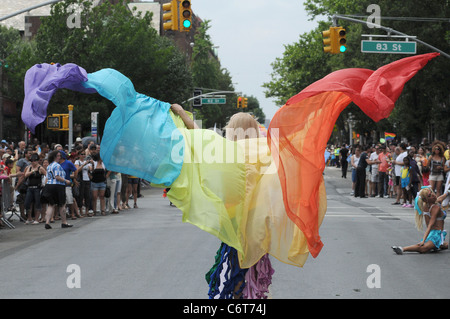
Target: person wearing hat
4	144
69	168
5	156
436	163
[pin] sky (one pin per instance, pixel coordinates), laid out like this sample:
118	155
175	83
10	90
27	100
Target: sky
250	35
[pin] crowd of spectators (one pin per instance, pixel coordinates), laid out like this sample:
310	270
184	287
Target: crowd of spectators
388	170
393	170
90	189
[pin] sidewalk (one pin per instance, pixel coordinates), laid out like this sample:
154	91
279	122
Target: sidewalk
24	235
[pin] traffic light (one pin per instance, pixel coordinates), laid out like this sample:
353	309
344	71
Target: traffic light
334	40
198	101
53	122
239	102
65	122
58	122
244	102
4	64
341	40
185	15
170	18
327	41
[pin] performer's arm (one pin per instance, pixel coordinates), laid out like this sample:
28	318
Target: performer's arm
178	109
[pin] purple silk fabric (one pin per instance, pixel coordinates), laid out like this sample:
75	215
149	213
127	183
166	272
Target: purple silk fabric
258	279
42	81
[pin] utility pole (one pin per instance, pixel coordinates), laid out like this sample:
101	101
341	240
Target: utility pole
70	107
389	31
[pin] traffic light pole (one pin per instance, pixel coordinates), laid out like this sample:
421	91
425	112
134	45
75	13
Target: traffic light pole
70	107
29	9
208	94
389	31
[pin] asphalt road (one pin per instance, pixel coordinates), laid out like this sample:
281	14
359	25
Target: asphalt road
149	253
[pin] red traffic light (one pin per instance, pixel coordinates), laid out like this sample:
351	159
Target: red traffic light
239	102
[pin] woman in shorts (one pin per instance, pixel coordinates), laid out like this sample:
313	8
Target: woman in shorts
428	207
54	192
436	163
34	173
98	183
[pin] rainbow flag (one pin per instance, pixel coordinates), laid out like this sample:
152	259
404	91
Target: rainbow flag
389	136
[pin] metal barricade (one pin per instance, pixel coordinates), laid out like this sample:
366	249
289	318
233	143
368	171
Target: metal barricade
6	186
7	204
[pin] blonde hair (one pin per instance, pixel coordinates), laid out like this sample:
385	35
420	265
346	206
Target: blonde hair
421	199
241	126
440	145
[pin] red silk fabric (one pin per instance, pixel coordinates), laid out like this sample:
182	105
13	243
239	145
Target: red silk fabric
304	125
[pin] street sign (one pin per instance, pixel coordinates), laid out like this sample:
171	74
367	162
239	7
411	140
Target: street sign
396	47
213	100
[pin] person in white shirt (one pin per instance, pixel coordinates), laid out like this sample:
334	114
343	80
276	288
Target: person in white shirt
373	182
84	198
397	168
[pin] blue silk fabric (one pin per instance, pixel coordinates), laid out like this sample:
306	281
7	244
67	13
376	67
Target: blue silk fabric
140	135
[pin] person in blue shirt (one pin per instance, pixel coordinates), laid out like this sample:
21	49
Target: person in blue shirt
53	193
69	168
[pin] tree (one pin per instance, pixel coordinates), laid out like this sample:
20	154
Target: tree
302	64
11	49
109	36
425	99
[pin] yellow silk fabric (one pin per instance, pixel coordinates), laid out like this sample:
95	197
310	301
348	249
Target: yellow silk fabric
232	191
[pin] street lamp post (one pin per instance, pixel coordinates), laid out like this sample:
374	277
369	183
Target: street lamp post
350	128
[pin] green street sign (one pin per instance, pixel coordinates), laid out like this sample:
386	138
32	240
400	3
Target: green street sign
396	47
214	100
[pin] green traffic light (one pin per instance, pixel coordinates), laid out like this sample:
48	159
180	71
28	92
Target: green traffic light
186	24
342	48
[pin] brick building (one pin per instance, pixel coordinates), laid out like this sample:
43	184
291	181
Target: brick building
28	22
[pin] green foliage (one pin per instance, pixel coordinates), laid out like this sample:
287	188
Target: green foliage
424	102
8	36
109	36
302	63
